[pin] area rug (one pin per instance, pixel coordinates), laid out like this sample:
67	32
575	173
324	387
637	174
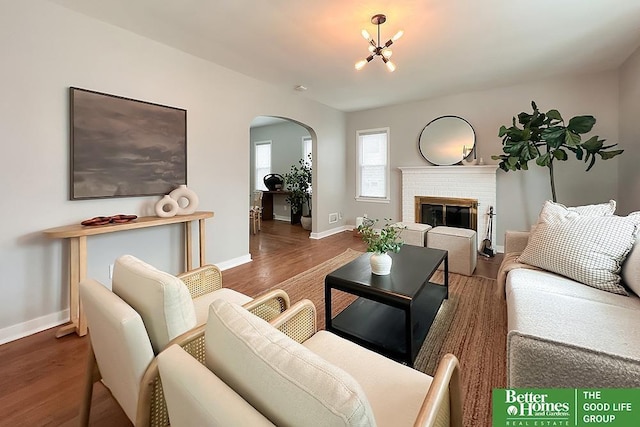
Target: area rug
471	324
310	285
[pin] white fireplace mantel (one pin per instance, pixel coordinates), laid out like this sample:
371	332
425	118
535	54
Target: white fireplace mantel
469	182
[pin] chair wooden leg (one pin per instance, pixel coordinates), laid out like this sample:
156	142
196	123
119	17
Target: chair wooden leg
91	376
253	223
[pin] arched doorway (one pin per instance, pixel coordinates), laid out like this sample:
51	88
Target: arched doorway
276	144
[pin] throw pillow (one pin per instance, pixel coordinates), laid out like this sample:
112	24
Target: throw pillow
601	209
588	249
631	269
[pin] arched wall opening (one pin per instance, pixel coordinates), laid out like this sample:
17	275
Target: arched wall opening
288	142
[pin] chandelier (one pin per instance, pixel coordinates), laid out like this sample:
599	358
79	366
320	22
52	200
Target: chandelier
376	49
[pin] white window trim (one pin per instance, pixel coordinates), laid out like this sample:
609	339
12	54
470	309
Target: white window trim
387	197
255	159
304	139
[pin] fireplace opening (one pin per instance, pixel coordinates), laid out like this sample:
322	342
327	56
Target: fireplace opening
449	211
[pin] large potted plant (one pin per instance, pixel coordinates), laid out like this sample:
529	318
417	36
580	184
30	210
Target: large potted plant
545	138
298	183
387	239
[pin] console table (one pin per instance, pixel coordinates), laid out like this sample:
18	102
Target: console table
267	203
77	235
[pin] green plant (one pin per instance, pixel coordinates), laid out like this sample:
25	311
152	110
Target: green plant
387	239
545	138
298	182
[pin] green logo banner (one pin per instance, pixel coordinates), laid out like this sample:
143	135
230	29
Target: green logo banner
566	407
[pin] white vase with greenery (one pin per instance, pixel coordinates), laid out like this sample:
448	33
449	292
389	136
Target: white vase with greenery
380	242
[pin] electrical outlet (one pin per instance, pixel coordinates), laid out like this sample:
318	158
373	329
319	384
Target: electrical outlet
110	271
339	215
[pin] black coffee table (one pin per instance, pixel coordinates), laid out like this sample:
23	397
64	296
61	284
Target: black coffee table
394	312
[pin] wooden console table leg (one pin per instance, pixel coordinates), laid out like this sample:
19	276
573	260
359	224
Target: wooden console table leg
77	272
82	275
188	255
202	242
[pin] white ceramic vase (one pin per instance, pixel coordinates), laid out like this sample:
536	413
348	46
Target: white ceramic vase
186	198
381	263
305	221
166	207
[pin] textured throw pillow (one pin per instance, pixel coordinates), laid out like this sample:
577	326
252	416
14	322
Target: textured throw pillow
285	381
631	269
601	209
588	249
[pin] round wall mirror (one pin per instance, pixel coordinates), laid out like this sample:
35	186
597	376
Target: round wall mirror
447	140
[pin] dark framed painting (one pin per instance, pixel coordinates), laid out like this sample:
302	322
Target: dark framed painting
122	147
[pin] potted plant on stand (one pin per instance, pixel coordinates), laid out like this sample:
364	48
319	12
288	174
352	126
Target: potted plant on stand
387	239
298	183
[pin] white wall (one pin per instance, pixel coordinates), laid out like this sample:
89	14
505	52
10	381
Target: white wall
286	151
520	194
629	178
46	49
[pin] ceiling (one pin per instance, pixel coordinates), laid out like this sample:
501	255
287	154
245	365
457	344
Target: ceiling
449	46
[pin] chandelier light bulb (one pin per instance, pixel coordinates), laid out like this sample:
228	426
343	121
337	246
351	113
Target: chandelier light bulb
391	66
376	48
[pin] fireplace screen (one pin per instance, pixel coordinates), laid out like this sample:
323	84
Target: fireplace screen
452	212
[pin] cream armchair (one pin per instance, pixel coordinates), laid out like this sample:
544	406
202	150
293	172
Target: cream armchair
147	311
257	375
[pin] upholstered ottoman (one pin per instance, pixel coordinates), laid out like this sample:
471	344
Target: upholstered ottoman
414	234
461	244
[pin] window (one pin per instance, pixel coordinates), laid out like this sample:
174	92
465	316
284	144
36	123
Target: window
262	165
373	165
306	148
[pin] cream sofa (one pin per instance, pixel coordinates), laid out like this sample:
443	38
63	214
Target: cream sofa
562	333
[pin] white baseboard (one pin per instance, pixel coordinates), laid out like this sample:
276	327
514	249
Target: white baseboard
281	218
330	232
234	262
33	326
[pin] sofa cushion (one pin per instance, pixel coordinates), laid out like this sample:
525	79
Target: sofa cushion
279	377
559	340
201	304
552	284
162	300
396	392
588	249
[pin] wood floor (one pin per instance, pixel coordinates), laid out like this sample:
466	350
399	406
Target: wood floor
41	377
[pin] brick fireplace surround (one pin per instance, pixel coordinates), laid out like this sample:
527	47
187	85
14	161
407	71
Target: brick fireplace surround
467	182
